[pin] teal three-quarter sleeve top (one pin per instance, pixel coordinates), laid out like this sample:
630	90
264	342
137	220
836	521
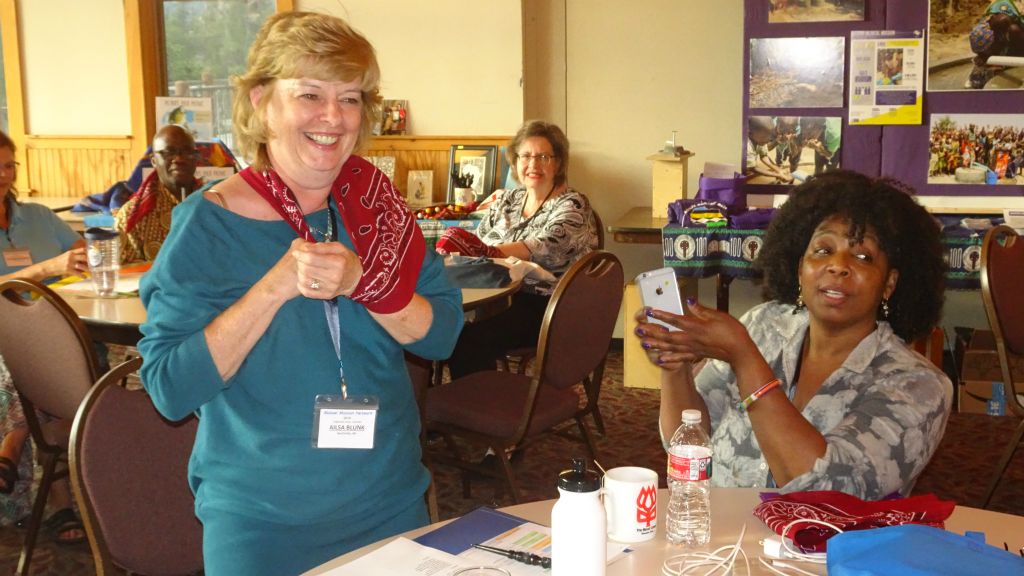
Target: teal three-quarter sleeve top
253	454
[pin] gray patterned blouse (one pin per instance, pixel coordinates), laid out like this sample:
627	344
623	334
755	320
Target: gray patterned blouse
557	235
882	413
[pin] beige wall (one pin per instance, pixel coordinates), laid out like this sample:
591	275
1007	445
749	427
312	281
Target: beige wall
633	73
457	62
75	67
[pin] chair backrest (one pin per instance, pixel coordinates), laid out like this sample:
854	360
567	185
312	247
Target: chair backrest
580	319
930	346
129	471
599	227
1002	275
47	348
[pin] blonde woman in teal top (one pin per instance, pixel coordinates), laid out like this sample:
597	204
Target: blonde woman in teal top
270	285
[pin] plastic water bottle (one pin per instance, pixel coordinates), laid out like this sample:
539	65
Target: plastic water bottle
103	250
689	471
578	524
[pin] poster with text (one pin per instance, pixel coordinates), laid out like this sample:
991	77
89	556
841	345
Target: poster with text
193	114
886	76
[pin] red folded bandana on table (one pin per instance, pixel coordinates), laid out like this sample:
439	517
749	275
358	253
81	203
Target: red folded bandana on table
846	512
457	240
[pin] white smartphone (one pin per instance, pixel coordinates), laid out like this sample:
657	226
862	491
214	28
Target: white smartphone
660	290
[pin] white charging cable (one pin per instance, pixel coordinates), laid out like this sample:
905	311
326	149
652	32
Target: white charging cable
721	559
782	549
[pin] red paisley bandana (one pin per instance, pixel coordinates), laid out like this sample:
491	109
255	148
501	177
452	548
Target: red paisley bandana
389	243
845	511
145	200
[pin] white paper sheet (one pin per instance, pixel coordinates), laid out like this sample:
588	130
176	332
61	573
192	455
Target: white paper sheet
401	557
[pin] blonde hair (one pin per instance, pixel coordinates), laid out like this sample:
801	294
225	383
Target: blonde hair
302	44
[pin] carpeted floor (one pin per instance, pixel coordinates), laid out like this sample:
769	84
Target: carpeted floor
959	470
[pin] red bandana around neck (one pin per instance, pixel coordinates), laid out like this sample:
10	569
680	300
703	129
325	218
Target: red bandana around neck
145	200
386	237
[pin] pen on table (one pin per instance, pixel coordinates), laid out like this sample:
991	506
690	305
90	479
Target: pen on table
518	556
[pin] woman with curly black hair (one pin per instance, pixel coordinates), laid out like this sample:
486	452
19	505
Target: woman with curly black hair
816	389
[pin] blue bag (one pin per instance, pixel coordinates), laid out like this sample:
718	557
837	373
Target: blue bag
915	550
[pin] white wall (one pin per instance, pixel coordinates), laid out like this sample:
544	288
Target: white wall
458	62
75	67
635	72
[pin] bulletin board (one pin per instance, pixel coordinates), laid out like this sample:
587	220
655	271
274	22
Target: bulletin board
897	151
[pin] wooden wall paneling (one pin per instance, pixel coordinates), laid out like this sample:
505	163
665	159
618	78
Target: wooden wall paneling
430	153
73	166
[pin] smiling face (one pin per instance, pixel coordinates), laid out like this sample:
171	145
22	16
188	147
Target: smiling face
532	172
174	157
314	126
843	282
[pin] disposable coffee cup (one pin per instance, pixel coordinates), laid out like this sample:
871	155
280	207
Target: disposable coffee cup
103	251
631	503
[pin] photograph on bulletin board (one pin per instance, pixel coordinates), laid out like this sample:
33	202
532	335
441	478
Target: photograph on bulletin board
796	72
982	149
789	149
975	45
814	10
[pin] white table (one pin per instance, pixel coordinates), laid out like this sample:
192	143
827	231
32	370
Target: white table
731	508
117	320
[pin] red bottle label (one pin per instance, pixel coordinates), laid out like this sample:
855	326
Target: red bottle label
689	469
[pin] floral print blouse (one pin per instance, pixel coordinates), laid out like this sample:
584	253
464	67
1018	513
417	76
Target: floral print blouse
558	234
882	413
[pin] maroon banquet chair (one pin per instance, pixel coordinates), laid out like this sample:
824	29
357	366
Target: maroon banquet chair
53	364
1002	275
129	473
502	410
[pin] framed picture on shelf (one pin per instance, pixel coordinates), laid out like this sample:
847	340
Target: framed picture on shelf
419	192
393	119
474	165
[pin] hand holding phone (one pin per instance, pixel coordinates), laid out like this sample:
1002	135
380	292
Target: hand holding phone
660	290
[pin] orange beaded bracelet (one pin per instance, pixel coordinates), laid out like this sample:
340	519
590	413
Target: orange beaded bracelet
744	405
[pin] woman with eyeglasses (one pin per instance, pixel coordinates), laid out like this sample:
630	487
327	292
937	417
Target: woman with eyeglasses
36	243
543	221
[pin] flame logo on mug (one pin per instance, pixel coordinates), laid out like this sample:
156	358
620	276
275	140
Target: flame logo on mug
647	505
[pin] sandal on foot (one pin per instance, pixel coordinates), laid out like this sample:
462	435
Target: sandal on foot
65	528
8	475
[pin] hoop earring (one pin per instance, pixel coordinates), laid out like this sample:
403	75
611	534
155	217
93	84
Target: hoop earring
885	308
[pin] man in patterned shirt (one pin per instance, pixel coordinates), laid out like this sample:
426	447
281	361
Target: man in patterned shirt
145	219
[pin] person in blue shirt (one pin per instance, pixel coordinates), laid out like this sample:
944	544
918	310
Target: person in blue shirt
279	311
37	245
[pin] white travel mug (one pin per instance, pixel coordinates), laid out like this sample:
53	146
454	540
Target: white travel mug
631	502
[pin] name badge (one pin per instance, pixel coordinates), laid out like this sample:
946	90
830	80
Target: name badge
344	422
17	257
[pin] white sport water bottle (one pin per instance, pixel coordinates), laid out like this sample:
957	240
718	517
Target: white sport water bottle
578	524
689	471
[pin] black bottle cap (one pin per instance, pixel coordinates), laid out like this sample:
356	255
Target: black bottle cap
579	479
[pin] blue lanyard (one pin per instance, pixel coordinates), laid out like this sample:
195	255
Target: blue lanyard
331	309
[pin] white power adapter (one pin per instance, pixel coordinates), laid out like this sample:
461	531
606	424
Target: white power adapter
773	548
